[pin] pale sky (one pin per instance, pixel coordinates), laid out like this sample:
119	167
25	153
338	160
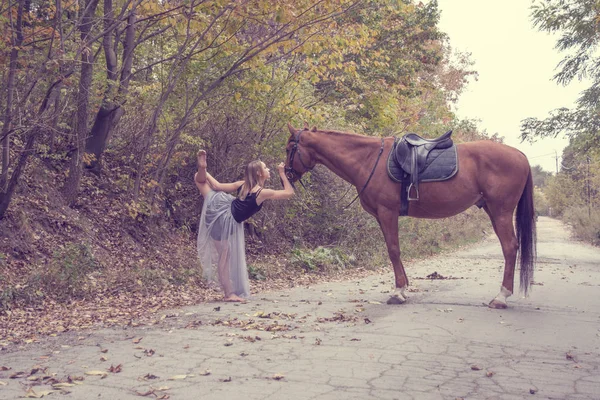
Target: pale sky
516	63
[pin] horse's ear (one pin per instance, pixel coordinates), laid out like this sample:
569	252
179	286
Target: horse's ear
314	129
291	128
305	125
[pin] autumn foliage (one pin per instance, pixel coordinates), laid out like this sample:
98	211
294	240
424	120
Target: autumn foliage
105	104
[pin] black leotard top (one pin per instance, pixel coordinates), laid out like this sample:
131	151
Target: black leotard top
244	209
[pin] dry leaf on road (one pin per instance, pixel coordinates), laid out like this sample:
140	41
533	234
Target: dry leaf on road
101	374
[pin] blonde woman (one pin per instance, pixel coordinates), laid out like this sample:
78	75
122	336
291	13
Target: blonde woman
221	246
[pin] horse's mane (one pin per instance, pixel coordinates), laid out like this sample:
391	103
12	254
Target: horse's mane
336	133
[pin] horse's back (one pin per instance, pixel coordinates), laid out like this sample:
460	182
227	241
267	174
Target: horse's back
498	169
487	171
492	154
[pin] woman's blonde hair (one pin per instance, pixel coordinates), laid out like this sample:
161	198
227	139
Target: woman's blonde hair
254	170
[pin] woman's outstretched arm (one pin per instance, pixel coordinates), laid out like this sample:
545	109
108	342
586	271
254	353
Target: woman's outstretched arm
285	194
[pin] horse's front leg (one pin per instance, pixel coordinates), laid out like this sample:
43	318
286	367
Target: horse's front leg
388	221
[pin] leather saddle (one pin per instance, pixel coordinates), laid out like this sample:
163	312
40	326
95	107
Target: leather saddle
411	153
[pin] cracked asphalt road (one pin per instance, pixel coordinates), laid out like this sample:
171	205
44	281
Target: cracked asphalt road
341	341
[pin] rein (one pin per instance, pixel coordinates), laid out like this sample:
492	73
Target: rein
370	176
291	172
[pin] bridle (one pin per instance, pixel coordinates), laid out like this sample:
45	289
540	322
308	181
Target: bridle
290	172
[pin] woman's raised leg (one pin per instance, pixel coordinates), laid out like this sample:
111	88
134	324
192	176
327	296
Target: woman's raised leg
200	177
201	174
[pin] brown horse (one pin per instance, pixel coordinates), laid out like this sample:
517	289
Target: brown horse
491	175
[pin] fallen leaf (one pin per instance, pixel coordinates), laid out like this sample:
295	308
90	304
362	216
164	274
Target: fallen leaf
32	394
137	340
277	377
103	359
101	374
61	385
205	373
225	380
177	377
475	367
4	368
144	394
18	375
489	374
3	383
116	369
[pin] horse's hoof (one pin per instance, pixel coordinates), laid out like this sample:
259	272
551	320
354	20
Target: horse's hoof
396	299
498	305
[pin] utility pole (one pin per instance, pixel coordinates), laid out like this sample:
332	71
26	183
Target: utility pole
556	156
589	189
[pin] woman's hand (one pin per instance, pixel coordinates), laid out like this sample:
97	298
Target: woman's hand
281	169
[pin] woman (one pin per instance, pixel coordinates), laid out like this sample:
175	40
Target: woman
221	247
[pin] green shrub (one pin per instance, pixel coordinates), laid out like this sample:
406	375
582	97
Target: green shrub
256	273
585	223
320	259
68	274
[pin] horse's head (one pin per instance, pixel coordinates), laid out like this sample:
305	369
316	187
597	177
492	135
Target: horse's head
299	159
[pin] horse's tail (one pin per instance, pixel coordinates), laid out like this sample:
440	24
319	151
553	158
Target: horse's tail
526	234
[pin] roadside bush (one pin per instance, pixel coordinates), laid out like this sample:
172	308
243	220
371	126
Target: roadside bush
321	259
541	203
585	223
68	274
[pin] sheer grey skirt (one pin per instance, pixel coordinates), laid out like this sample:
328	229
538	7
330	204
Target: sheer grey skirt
221	247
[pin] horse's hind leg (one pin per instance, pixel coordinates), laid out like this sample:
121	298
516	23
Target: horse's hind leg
504	228
388	221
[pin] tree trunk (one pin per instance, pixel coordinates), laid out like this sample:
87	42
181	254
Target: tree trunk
111	111
6	196
71	187
17	39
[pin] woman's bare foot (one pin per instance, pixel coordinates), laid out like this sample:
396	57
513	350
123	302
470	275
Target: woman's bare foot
234	298
201	174
202	158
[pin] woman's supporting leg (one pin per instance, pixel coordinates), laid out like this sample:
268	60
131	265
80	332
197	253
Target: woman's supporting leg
224	273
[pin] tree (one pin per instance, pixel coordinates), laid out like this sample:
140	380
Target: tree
539	176
577	22
82	100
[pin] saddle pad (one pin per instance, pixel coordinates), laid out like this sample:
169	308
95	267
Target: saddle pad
441	164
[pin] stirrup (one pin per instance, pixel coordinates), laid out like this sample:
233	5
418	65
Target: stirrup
409	190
